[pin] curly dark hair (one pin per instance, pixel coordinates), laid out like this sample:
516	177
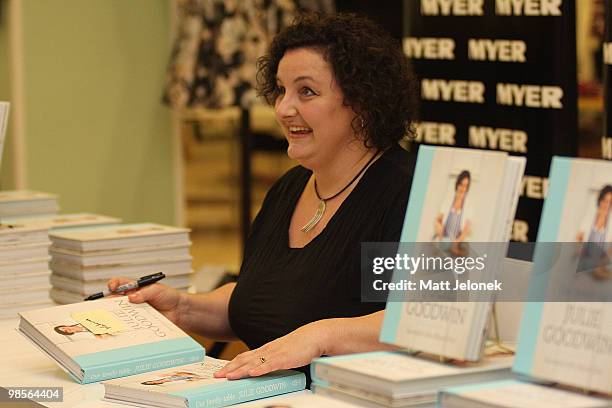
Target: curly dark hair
366	61
465	174
607	189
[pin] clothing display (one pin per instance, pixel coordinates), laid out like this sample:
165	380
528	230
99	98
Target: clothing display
280	288
213	62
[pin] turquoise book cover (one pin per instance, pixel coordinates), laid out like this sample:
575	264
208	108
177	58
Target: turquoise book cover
565	333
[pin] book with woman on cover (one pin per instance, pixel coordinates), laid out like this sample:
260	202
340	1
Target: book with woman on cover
566	330
194	385
461	208
109	338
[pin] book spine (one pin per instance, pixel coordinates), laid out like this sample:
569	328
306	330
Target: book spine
96	367
414	211
235	392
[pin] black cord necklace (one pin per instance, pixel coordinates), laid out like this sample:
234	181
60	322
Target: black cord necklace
321	207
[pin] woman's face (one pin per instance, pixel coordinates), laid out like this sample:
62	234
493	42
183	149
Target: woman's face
72	329
605	203
462	187
310	108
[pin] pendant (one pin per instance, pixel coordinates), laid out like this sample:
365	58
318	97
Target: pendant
317	217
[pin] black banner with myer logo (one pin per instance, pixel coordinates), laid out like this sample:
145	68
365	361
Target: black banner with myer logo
606	140
499	75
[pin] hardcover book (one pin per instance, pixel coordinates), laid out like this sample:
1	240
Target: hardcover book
86	288
26	203
108	338
119	237
516	394
398	378
171	267
56	221
107	257
18	234
565	333
462	204
193	385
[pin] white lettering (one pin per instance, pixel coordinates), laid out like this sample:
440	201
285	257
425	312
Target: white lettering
607	53
452	7
429	48
483	49
528	7
531	96
509	140
452	90
436	133
520	229
606	148
534	187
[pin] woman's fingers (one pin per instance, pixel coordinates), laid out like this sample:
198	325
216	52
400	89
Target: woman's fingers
241	361
253	363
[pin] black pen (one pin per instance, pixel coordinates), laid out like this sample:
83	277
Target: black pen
144	281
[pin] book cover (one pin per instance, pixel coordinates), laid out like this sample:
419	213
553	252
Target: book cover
118	236
565	331
130	339
516	394
193	385
458	209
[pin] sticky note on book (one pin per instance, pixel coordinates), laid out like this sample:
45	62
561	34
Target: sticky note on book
99	321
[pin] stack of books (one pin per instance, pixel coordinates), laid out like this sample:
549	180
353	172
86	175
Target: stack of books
460	199
83	259
565	341
24	269
26	203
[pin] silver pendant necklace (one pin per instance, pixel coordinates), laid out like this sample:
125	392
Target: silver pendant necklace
322	201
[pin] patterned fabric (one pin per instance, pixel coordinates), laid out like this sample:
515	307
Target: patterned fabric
213	62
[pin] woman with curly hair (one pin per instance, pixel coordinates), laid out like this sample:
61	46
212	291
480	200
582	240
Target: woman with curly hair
343	96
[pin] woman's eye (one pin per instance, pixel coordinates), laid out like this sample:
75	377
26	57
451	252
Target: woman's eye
307	91
280	90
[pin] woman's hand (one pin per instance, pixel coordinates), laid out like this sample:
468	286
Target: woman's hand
165	299
296	349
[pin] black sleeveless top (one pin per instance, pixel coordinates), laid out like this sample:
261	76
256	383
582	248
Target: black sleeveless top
280	289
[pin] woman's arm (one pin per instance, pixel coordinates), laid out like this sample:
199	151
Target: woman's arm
353	335
301	346
206	313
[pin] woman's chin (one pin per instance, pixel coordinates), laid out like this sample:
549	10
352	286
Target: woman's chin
299	153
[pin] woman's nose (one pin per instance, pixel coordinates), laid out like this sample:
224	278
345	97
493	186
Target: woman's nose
285	107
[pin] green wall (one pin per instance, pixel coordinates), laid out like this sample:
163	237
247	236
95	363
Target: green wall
96	132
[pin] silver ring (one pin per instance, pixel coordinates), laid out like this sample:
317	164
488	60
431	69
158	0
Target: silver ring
262	359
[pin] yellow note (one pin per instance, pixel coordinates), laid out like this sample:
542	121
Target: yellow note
99	321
